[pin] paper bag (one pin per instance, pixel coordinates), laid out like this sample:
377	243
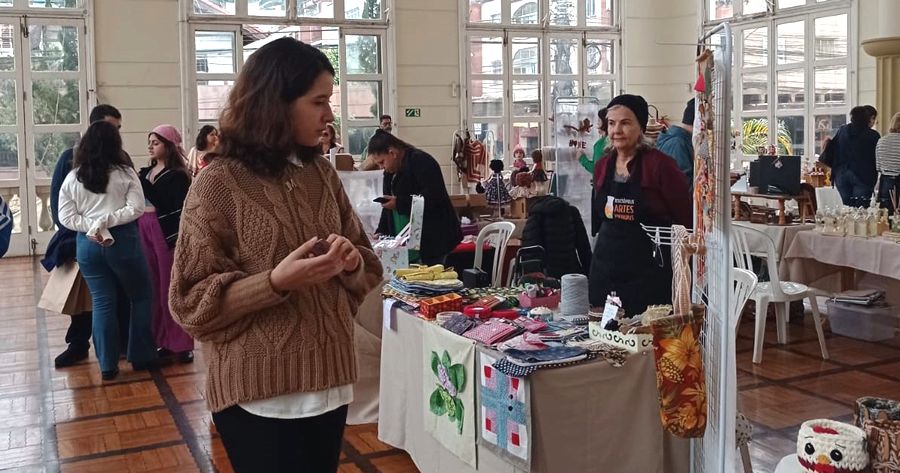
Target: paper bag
66	291
393	259
416	215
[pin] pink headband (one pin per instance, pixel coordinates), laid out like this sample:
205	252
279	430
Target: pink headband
170	134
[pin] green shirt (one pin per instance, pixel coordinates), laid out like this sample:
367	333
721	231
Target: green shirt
588	163
401	221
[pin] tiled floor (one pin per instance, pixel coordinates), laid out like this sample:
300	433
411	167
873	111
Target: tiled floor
69	420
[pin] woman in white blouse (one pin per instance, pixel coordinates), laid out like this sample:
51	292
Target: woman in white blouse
101	199
887	160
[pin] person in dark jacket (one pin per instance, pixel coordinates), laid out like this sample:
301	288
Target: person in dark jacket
414	172
852	157
677	142
6	226
556	226
635	184
61	250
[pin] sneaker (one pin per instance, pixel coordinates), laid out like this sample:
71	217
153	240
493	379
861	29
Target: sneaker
70	357
109	375
186	357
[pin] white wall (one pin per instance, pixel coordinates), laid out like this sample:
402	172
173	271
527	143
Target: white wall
138	66
867	28
427	56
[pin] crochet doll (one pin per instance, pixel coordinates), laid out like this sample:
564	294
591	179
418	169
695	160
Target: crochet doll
519	164
523	186
495	191
538	174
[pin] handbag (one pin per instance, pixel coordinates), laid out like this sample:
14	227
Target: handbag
66	291
827	156
880	420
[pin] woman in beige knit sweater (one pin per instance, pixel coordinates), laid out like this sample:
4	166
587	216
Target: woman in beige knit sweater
270	266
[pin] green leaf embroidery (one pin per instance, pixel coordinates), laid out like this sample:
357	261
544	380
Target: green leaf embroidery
458	376
434	363
436	403
460	417
445	359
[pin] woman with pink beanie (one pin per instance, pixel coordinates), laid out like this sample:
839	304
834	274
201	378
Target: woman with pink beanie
165	182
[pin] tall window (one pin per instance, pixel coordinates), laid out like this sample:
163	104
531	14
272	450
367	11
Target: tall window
793	59
524	54
351	33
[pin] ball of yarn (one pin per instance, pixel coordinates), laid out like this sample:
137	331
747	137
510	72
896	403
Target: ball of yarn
574	297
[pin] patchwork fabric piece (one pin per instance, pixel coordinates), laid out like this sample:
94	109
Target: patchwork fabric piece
508	367
505	413
680	378
449	391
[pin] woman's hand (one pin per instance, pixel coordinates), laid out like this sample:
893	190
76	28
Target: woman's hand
390	203
348	251
300	269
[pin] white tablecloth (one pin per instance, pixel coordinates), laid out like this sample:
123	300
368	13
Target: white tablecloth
781	235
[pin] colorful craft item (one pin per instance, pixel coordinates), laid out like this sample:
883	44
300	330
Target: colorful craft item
539	297
477	312
508	314
425	273
430	307
827	446
541	313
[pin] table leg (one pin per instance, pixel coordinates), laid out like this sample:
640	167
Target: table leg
802	204
781	218
736	207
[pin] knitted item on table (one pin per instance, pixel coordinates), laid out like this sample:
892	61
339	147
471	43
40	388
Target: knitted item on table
825	445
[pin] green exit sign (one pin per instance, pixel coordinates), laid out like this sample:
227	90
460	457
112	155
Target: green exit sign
413	113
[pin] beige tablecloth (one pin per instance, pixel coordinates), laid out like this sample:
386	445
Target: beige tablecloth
587	417
781	235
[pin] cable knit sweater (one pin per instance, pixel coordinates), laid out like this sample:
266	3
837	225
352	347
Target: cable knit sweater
235	228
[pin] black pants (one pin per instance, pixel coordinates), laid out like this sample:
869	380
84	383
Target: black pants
264	445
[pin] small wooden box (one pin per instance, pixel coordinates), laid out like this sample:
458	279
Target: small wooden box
517	208
429	308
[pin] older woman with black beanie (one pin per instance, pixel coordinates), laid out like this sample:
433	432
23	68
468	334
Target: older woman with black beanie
635	184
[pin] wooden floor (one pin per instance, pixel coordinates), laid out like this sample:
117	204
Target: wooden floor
69	420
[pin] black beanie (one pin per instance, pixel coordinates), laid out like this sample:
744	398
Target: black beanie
636	104
688	117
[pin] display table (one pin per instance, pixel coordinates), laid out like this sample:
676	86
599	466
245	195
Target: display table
586	417
812	257
781	235
780	198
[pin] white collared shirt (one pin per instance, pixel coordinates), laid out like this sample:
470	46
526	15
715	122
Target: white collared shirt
84	211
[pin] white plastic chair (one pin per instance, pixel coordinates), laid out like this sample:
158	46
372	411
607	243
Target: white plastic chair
497	235
775	291
828	197
744	282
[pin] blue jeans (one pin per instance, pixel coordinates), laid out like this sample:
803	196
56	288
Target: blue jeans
854	192
106	270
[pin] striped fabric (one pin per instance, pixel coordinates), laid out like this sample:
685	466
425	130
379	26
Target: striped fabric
887	154
6	217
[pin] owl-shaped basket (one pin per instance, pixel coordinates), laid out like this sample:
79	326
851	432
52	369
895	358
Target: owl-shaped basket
827	446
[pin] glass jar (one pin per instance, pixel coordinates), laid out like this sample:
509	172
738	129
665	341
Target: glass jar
861	224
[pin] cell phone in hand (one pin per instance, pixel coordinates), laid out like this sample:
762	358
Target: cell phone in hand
380	200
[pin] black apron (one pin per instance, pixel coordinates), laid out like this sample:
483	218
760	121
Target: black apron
624	261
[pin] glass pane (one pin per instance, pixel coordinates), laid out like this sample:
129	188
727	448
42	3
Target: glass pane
790	43
267	7
315	8
527	135
564	12
719	9
790	3
211	98
48	147
755	90
362	9
489	133
524	12
754	6
8	102
526	96
826	126
9	158
7	46
486	56
363	54
214	7
789	137
363	99
790	86
831	85
526	56
215	51
599	12
563	56
358	139
756	47
484	11
56	101
487	98
602	89
831	37
563	88
53	47
754	136
6	3
54	3
599	56
11	196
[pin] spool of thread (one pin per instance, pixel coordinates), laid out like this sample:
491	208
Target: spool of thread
574	297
